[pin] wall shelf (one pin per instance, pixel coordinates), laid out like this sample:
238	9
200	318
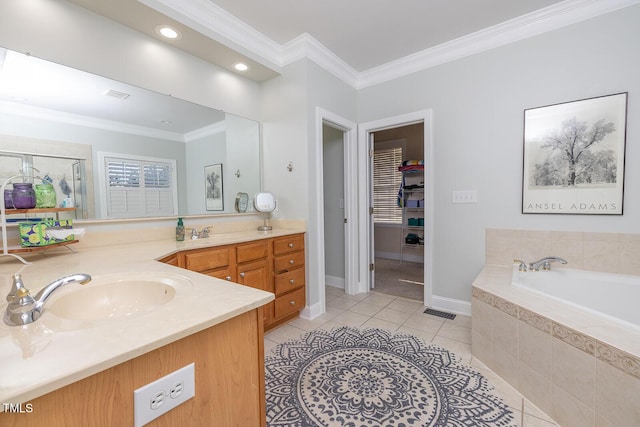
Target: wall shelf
13	250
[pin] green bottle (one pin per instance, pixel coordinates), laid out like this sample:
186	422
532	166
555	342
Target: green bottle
180	230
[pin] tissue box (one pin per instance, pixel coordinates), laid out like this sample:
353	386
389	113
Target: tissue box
34	233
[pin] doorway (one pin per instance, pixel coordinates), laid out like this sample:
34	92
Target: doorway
398	214
367	137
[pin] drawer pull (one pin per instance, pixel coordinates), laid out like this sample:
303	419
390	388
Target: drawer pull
242	274
292	281
292	302
291	245
291	262
228	278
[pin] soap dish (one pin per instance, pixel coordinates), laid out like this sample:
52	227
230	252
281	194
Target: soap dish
63	233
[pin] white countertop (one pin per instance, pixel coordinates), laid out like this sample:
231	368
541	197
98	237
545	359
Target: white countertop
53	352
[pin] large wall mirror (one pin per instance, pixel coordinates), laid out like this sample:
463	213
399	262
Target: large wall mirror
119	151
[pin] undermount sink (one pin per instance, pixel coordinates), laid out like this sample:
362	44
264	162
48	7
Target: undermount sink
109	297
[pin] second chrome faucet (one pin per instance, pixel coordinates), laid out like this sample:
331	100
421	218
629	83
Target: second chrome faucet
544	263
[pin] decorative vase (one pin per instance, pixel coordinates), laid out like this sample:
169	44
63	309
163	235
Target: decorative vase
8	203
23	196
45	196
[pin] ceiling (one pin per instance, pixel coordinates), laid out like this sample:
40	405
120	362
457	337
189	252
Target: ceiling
363	42
369	33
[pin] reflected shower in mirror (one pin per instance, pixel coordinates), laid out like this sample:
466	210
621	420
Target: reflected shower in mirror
143	153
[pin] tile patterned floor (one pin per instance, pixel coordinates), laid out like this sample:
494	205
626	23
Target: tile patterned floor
377	310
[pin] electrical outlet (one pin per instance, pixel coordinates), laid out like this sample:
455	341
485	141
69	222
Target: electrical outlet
164	394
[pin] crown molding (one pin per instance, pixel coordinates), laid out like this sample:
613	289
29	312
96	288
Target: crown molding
215	22
532	24
305	46
20	110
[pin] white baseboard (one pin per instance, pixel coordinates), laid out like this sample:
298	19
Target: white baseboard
336	282
451	305
311	312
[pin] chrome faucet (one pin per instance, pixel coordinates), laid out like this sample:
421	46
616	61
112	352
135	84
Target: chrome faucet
24	309
203	234
545	263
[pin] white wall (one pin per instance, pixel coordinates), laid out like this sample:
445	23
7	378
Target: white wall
478	105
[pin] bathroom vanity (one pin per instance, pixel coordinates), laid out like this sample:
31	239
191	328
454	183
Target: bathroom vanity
68	371
274	265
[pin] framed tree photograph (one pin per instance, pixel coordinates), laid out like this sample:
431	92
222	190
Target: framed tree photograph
574	157
213	187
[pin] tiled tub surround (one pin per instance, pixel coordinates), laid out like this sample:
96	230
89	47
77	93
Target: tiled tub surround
579	368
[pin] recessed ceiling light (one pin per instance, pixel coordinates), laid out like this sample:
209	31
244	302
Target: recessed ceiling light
240	66
166	122
168	32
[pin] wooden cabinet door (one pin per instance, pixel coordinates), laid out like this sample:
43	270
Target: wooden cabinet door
255	274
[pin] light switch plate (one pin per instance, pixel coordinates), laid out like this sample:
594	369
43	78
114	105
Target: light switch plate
464	196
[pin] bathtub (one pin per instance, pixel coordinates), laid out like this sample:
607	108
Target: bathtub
614	296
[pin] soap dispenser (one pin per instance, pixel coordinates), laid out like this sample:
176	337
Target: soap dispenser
180	230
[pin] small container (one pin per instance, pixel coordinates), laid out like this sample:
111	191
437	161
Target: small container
23	196
8	203
180	230
45	196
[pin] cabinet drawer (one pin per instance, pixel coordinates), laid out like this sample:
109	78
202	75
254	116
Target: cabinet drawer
252	251
289	303
288	244
288	261
289	280
207	260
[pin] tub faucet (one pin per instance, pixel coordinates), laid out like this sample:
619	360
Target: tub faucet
545	263
24	309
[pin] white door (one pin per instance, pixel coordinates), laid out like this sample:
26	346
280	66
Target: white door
372	246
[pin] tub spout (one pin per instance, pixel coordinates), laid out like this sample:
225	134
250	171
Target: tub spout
545	263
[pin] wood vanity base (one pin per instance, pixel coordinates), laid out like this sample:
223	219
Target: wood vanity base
229	368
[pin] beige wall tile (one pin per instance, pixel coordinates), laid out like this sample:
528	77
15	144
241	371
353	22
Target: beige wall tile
535	387
602	422
602	252
630	254
570	412
617	395
505	332
535	245
481	315
574	371
535	349
502	246
570	246
481	348
505	365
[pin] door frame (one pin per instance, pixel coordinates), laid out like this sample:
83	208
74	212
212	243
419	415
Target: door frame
365	241
316	226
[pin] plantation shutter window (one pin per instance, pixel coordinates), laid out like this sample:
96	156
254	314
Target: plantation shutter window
138	188
386	184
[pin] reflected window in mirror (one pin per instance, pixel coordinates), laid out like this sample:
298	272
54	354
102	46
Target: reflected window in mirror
136	187
66	174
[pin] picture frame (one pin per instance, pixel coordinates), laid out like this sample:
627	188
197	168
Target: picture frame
213	187
573	157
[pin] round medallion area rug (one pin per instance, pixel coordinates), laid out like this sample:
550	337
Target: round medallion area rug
352	377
